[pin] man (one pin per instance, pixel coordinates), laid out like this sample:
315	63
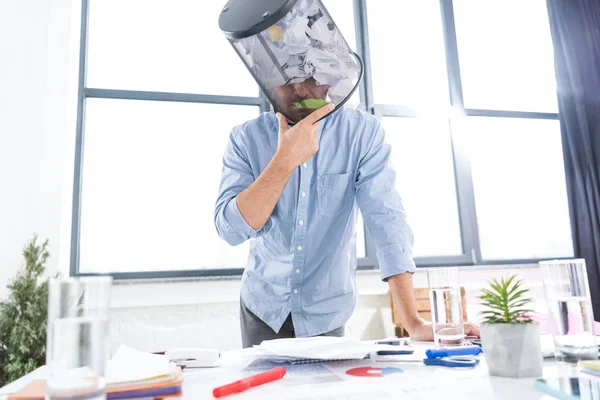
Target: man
296	191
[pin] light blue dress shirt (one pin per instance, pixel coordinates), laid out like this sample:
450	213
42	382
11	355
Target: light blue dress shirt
303	260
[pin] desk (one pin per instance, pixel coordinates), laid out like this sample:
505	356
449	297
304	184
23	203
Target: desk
416	382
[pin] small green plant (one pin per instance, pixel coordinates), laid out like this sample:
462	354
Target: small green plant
23	316
505	302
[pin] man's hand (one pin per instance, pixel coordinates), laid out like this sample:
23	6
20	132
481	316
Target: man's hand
299	143
424	331
401	287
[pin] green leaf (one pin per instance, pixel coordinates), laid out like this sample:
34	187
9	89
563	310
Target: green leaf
504	300
519	303
496	286
508	283
518	294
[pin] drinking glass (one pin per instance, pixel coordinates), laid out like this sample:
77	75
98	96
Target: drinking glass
77	340
571	317
446	306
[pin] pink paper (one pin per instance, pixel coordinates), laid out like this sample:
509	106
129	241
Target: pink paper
575	325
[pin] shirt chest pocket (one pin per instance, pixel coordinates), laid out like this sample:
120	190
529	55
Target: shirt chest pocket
335	193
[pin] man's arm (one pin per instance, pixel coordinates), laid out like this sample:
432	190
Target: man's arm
258	201
384	216
403	296
385	219
296	145
245	205
381	206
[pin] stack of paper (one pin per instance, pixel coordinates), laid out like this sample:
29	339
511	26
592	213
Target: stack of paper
131	374
315	349
318	348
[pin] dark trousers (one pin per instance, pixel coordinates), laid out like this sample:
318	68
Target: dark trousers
254	330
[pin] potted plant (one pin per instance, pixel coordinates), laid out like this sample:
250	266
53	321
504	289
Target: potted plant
510	339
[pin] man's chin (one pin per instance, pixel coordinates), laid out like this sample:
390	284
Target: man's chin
296	114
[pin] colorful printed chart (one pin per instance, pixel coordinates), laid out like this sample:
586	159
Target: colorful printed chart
370	372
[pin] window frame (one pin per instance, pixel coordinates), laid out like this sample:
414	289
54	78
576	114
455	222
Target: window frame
471	254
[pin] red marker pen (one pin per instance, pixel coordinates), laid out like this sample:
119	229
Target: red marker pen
249	382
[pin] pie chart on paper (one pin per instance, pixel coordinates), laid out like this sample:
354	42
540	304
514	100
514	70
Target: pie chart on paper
370	372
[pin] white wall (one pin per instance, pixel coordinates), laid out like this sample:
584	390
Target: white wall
156	316
35	125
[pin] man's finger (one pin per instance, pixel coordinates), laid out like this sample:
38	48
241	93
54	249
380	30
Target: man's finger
283	123
318	114
472	329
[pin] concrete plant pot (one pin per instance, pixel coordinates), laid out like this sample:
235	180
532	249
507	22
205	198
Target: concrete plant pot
512	350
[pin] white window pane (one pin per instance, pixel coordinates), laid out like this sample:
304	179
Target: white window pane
160	45
506	55
407	54
520	189
342	12
422	158
150	181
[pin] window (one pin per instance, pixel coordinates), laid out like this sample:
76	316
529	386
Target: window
422	158
152	172
163	46
519	186
506	56
407	54
469	109
162	91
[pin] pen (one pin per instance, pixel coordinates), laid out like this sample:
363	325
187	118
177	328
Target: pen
249	382
394	352
453	351
392	342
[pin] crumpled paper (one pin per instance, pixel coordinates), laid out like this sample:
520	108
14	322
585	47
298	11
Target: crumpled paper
305	43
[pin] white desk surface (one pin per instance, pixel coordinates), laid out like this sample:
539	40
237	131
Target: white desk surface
418	381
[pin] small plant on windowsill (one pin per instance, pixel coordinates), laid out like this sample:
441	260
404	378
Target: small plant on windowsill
510	340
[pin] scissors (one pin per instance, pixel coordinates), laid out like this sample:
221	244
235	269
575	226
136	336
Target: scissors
452	362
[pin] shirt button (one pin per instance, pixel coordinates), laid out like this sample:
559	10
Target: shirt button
301	223
297	270
295	291
303	194
305	165
299	248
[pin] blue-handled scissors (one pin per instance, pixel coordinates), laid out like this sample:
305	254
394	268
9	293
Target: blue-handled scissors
452	362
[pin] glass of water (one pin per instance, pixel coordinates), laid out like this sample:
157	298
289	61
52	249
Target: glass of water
77	340
446	306
571	317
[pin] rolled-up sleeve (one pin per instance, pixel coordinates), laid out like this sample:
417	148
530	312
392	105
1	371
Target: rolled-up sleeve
381	206
236	176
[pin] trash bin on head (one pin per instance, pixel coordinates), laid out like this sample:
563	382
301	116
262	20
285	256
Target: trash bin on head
294	51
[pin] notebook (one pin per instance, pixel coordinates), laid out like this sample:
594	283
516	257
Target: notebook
130	374
38	388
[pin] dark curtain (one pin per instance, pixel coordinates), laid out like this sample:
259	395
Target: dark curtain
575	26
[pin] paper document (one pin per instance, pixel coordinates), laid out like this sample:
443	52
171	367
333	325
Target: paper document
129	365
319	348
